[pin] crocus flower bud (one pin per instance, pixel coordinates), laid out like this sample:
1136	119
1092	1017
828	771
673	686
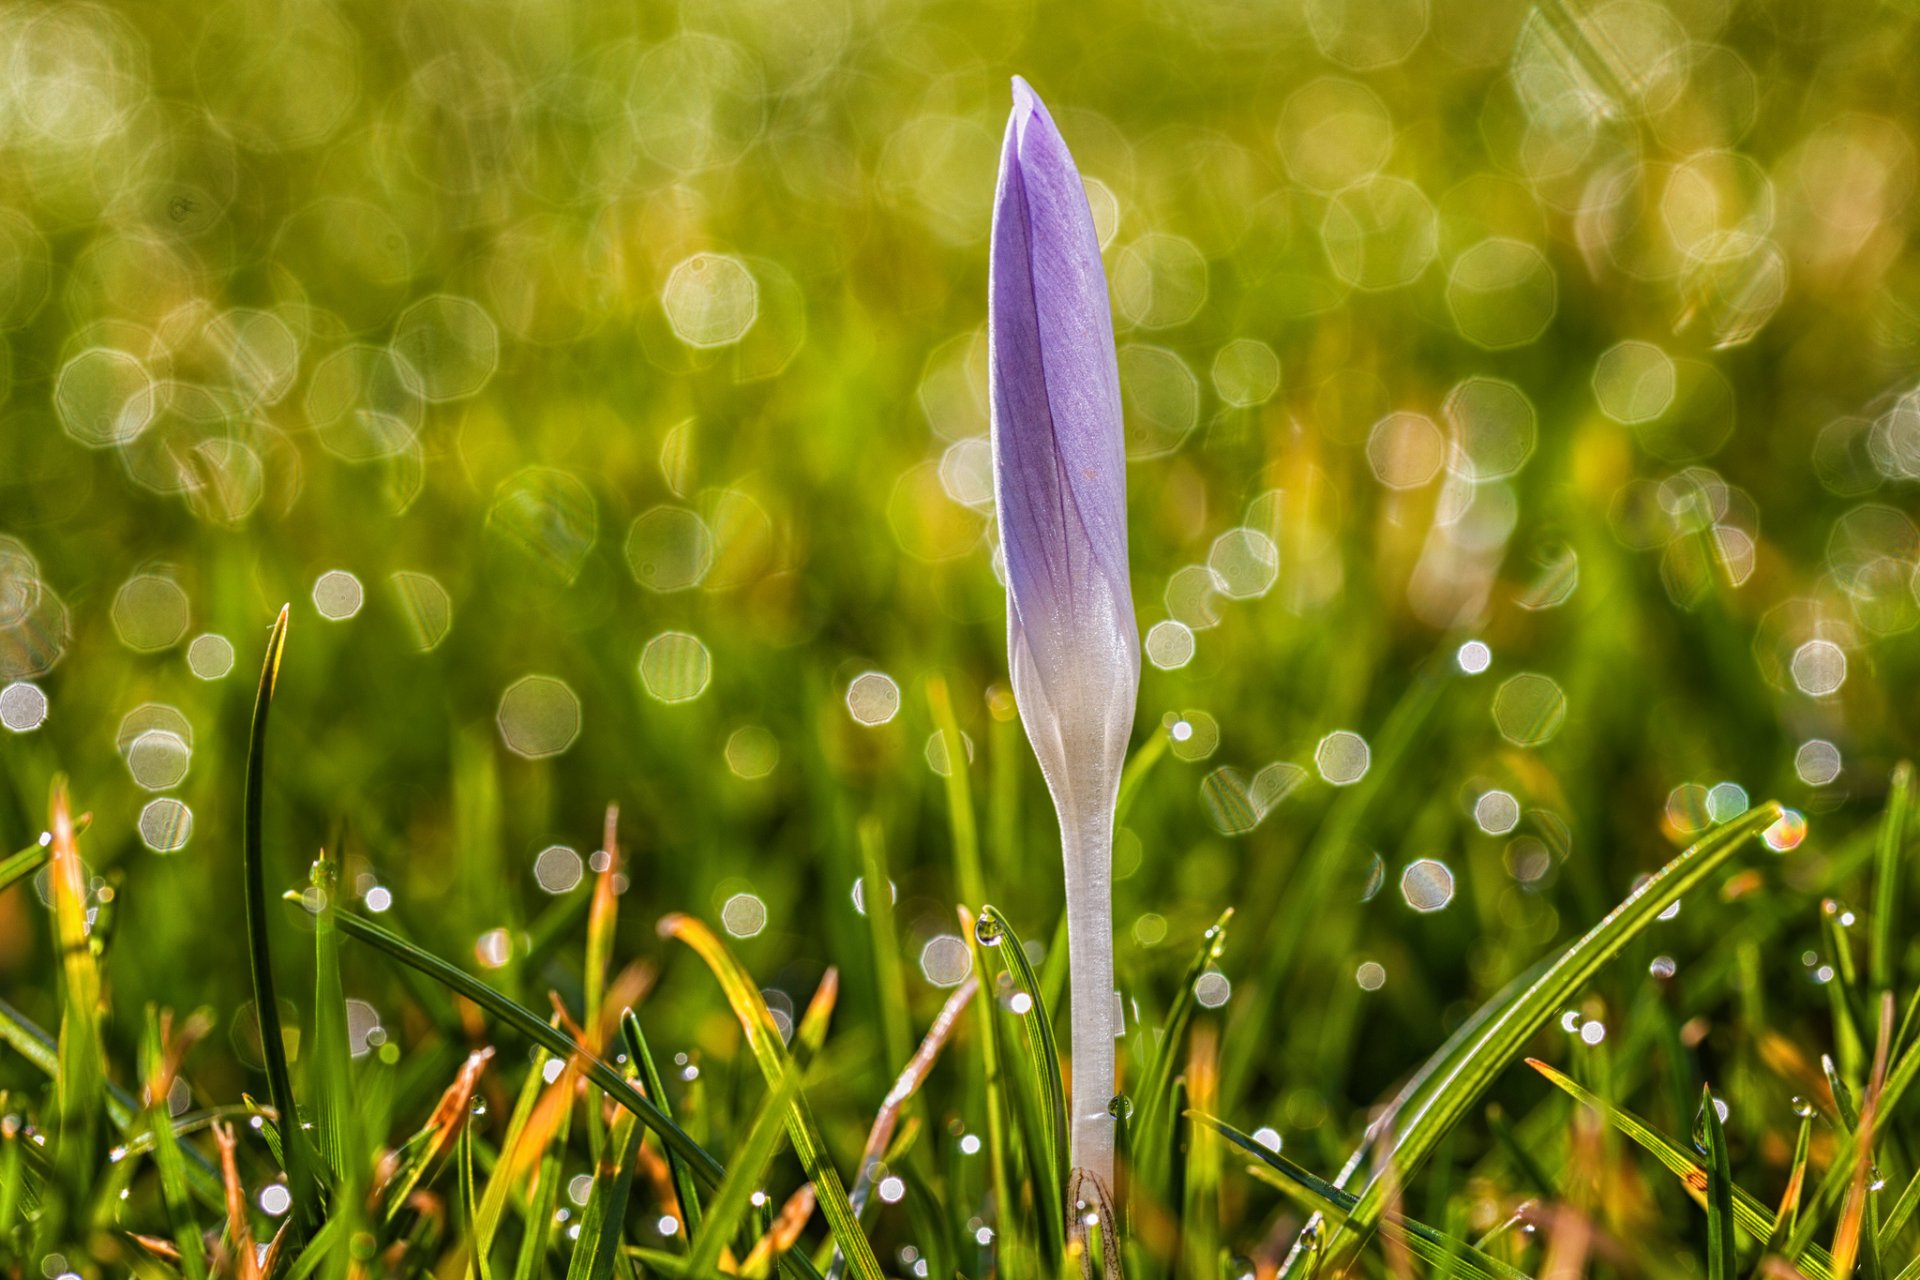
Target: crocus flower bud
1059	462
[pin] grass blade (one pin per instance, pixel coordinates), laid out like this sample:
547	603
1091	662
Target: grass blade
329	1069
540	1032
1478	1061
1720	1225
544	1195
163	1061
307	1211
1749	1214
685	1190
1886	878
966	836
1332	1203
598	1247
728	1211
763	1037
80	1082
889	974
19	866
1043	1057
1156	1091
31	1041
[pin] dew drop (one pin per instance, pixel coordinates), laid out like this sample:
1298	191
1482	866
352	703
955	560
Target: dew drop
988	931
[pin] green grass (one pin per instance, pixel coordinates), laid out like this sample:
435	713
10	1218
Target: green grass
410	948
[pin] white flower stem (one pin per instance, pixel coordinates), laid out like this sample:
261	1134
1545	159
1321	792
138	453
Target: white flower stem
1088	848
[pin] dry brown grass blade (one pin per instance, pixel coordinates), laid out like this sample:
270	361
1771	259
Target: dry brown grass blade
908	1083
173	1051
602	915
783	1234
274	1249
246	1263
159	1248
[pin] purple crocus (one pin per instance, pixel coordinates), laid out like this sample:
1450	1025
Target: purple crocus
1059	464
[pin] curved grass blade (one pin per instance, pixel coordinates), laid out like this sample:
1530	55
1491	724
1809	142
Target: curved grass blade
1043	1056
1749	1214
537	1029
1002	1170
770	1051
1720	1226
1156	1091
729	1209
1478	1061
19	866
684	1188
1334	1204
307	1212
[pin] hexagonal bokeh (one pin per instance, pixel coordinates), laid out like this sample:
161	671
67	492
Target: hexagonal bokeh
337	595
150	613
1246	372
1501	293
105	397
1380	233
1244	562
1529	709
676	666
1633	382
711	300
1406	450
1494	428
669	549
1159	399
1334	132
450	347
873	698
539	716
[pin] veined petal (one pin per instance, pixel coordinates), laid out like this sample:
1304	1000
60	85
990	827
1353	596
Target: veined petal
1059	457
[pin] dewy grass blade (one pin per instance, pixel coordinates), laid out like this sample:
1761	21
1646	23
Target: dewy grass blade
1886	878
31	1041
1749	1214
1331	1202
599	1245
336	1121
305	1191
1002	1169
1720	1225
763	1037
536	1029
728	1212
684	1188
1155	1094
1479	1060
1043	1056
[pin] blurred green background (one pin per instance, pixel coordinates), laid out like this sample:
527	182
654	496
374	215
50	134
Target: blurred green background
1520	409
